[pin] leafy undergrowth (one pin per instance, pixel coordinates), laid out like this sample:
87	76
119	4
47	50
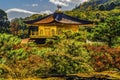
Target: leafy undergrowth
103	75
76	60
52	78
109	75
104	58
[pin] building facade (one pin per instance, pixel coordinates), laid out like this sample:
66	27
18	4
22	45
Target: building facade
53	24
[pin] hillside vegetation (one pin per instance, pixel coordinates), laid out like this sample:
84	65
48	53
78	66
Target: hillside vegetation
91	53
99	5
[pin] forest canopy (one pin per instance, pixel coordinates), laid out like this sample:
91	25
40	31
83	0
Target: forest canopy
93	49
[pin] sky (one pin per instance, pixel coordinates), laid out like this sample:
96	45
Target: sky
24	8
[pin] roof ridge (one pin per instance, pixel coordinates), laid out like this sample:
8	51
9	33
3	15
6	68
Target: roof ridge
59	17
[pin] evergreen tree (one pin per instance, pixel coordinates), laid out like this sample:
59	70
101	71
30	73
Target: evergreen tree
108	31
4	23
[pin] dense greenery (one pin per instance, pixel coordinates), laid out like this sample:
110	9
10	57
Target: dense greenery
99	5
108	32
95	16
4	23
104	58
93	48
20	60
35	16
68	53
19	28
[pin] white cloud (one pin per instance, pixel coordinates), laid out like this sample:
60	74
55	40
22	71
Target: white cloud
28	12
17	13
46	12
19	10
66	2
83	1
34	5
31	5
58	2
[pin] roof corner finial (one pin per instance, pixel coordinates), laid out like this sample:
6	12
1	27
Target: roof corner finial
59	8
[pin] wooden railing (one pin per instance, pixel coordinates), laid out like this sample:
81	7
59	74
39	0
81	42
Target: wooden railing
35	34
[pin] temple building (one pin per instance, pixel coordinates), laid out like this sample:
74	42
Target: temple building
54	24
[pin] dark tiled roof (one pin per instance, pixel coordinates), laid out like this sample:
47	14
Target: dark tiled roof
60	18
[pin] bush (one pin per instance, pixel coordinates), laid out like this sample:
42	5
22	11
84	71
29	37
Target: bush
104	58
68	55
20	61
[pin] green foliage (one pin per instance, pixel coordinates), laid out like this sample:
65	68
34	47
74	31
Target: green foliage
68	35
4	23
35	16
20	61
69	56
7	42
104	58
108	32
19	28
2	79
99	5
95	16
68	53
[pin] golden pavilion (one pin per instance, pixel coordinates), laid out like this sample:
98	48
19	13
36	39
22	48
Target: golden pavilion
54	24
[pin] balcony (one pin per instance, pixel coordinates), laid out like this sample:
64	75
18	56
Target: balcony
36	35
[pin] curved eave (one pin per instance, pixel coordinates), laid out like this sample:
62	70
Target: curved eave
37	20
55	22
58	18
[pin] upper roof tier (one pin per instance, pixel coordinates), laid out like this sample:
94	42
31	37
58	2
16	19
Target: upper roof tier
58	17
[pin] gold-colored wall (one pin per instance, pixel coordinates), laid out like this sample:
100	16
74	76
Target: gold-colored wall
61	28
50	30
47	30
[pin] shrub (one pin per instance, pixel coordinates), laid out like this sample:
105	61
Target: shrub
20	60
104	58
69	57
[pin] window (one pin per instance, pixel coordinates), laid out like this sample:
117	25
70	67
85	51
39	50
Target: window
59	31
53	31
41	32
47	31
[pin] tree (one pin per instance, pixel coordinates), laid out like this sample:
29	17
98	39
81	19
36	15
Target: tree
112	6
19	60
101	7
4	23
68	55
108	31
17	27
35	16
